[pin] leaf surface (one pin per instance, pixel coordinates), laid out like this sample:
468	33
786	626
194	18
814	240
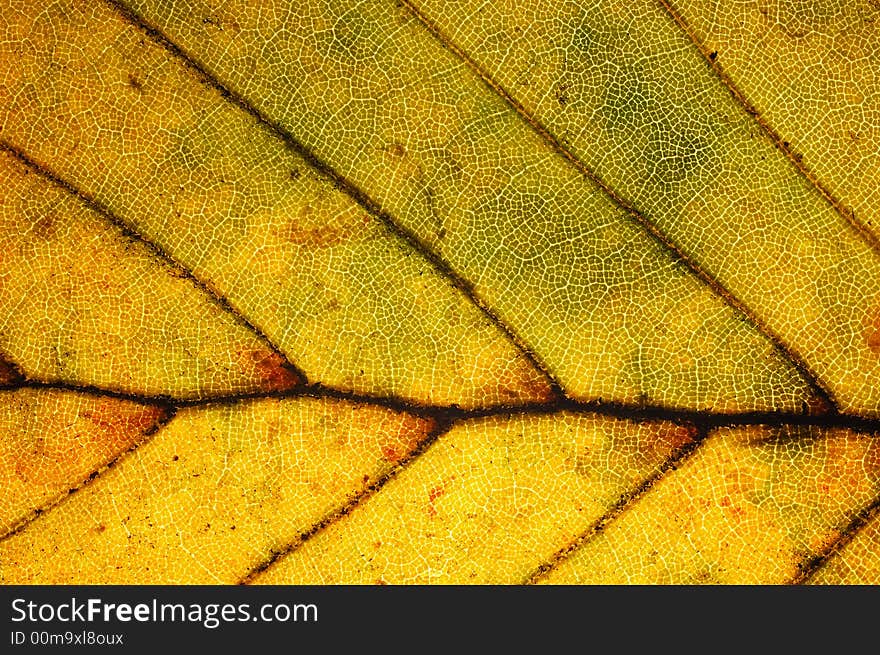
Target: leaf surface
335	290
52	441
610	312
811	72
752	506
421	292
857	562
488	503
213	493
83	303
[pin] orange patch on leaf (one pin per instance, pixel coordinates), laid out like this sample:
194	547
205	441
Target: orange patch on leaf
816	406
318	237
411	431
114	421
433	495
69	448
873	333
523	383
9	375
272	370
674	437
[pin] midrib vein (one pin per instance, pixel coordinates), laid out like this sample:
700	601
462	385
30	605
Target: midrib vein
447	418
630	411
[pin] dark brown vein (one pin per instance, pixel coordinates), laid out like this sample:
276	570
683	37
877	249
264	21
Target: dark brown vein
366	202
809	568
131	233
445	417
168	413
783	146
626	501
818	387
441	427
452	413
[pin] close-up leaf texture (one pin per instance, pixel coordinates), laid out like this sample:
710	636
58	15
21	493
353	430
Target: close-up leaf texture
422	291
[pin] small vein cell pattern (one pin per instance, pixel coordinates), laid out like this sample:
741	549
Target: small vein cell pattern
417	292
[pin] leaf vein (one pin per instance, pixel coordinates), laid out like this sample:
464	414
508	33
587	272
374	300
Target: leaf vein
783	146
131	233
344	185
626	501
817	386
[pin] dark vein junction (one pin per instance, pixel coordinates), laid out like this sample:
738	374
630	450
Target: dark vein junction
129	232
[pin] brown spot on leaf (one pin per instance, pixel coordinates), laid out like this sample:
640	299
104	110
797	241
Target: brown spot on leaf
411	431
873	332
391	455
673	437
45	227
521	382
318	237
433	495
396	150
274	373
135	83
816	406
9	374
562	94
114	420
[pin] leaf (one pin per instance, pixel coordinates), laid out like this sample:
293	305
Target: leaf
754	505
856	561
219	488
420	292
52	441
833	134
489	503
110	313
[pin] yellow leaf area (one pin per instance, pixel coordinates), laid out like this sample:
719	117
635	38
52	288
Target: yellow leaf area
608	310
812	72
212	494
754	505
622	92
438	292
51	441
857	562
